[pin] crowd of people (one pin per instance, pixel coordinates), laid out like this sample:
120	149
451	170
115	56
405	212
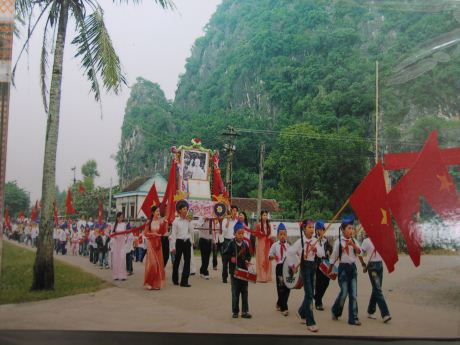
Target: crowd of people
115	246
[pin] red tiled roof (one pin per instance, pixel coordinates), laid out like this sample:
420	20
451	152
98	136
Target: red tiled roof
250	204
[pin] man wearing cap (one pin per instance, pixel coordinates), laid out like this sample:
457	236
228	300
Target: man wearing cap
181	245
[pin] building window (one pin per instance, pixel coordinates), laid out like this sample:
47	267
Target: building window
123	209
132	212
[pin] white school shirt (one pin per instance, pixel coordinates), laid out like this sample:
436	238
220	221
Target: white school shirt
92	239
349	258
217	236
203	229
368	248
296	248
182	229
62	235
275	251
227	229
129	246
35	232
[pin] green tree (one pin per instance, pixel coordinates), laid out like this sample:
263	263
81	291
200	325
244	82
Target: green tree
99	61
16	198
317	171
89	172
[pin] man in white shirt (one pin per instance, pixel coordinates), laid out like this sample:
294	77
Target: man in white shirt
217	241
205	243
346	251
181	243
227	230
375	271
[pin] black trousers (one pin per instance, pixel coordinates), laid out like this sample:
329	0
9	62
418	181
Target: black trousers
205	249
183	248
165	249
216	248
225	260
321	284
281	289
239	287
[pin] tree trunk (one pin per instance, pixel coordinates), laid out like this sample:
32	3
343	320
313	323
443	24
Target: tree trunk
43	278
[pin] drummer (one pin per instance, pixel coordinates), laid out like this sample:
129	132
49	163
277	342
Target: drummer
278	252
238	255
322	280
307	247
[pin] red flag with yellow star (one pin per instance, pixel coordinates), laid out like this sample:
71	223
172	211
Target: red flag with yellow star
150	200
370	203
429	178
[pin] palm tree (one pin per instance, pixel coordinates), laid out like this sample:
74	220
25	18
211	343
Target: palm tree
99	61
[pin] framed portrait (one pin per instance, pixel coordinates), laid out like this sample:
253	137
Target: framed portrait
194	165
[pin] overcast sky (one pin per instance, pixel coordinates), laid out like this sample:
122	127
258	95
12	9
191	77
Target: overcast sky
151	43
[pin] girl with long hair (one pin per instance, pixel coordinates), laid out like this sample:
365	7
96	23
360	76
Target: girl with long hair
118	247
263	244
154	276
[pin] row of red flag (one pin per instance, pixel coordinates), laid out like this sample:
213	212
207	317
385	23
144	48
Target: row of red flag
427	177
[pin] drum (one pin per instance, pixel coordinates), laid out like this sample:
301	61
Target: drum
292	280
324	267
245	275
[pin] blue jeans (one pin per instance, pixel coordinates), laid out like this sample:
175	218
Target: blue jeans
307	271
347	276
103	262
375	272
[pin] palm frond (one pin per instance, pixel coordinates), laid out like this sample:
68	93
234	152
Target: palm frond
26	43
98	55
23	8
84	49
163	3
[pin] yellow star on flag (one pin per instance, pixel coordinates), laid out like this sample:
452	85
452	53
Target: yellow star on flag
384	217
181	195
445	183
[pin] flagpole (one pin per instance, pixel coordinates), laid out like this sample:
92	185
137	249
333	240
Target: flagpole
376	112
345	204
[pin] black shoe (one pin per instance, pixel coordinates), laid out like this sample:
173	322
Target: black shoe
185	285
246	316
319	307
175	283
235	315
224	280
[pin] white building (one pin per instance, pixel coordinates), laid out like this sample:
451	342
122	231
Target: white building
129	200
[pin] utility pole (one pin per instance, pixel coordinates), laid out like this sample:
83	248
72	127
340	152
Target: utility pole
229	149
74	179
261	179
